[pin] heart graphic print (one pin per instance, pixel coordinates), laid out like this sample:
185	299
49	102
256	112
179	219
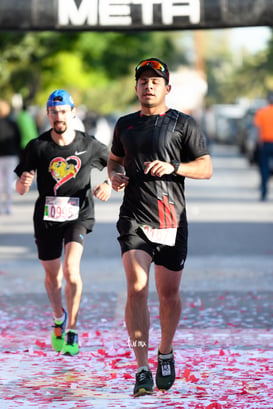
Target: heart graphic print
63	170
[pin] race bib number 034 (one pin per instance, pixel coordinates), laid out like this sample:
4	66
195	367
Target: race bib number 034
61	209
160	236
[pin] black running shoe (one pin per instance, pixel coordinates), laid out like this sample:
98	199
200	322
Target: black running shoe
71	344
144	383
165	374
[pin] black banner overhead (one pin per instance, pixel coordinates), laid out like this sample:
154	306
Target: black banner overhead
132	15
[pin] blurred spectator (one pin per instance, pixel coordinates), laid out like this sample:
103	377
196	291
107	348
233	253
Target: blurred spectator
207	123
263	120
27	126
9	155
103	131
100	126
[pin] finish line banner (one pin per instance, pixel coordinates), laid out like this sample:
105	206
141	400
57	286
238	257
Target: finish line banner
132	15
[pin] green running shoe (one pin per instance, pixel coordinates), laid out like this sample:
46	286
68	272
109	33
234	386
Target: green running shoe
71	344
58	334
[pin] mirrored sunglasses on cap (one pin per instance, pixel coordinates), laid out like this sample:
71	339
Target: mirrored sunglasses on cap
151	63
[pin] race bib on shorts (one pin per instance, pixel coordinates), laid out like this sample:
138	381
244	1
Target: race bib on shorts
160	236
61	209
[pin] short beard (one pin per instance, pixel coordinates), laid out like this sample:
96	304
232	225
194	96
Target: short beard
60	131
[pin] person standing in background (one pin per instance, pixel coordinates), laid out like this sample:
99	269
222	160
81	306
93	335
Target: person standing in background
27	126
264	122
9	156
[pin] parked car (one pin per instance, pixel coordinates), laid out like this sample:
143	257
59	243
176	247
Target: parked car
251	143
226	120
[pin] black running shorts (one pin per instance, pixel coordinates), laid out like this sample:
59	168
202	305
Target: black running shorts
50	241
132	238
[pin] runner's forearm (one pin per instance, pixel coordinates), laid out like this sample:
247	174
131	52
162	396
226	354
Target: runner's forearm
201	168
114	167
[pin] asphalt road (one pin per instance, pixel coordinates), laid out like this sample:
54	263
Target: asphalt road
230	231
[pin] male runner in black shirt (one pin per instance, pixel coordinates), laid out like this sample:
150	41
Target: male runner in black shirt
64	210
153	150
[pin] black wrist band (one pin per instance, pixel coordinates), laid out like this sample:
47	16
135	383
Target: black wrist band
175	164
108	181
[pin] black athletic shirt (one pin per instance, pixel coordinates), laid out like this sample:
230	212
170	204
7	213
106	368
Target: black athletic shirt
64	171
157	202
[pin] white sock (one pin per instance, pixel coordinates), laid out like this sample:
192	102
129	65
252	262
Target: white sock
61	319
166	356
70	330
142	368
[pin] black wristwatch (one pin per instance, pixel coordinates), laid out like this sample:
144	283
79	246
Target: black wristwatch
108	182
175	164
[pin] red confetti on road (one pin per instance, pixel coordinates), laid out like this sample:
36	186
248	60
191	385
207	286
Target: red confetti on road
219	366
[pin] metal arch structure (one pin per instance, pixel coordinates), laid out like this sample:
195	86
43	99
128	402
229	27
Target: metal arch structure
132	15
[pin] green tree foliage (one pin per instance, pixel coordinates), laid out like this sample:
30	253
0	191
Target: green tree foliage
96	67
246	75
